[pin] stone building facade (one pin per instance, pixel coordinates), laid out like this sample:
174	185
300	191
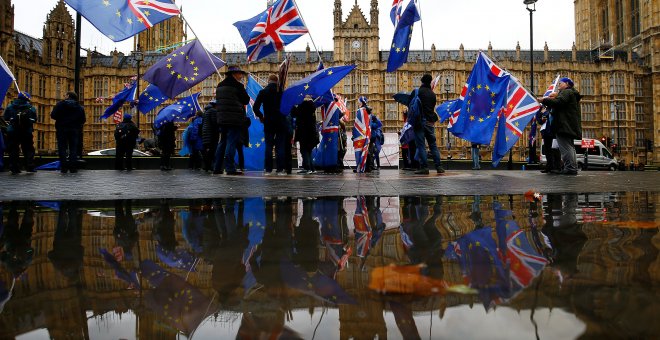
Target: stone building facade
621	84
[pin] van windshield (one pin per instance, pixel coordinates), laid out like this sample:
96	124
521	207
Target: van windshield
607	153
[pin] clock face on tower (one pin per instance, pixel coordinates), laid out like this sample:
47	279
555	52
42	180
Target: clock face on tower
356	44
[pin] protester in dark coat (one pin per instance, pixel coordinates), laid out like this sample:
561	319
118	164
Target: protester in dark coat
267	109
567	122
167	142
3	137
231	99
193	142
210	135
426	130
126	134
69	118
552	155
20	117
306	134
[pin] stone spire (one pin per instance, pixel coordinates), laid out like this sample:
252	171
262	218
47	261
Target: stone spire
337	13
374	13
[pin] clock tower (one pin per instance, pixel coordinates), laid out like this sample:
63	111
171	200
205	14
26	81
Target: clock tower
356	39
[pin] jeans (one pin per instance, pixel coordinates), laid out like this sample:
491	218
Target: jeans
220	152
270	142
426	132
67	148
475	158
233	136
567	150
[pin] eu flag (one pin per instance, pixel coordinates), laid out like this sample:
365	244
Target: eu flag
180	111
127	94
254	153
150	98
183	69
446	109
316	85
122	19
402	36
485	96
6	78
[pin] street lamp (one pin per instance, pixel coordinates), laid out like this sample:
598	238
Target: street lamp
531	8
139	57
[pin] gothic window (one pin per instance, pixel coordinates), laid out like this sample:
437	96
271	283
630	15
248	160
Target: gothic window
101	86
365	83
42	86
605	24
390	82
588	112
59	51
617	83
634	18
619	21
534	88
587	85
209	85
447	83
348	80
639	113
617	112
639	87
391	112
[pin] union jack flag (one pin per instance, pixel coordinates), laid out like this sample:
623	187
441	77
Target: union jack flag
361	135
122	19
395	12
519	112
271	30
524	262
363	232
553	87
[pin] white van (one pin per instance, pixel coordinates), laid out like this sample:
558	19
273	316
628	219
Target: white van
599	157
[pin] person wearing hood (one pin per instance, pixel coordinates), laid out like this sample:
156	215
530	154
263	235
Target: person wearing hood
231	99
126	134
210	135
20	116
567	122
69	118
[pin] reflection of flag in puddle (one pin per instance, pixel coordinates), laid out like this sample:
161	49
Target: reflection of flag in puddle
363	232
120	272
178	258
318	285
498	270
178	303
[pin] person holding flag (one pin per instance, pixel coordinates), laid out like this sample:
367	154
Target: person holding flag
361	136
20	117
424	126
566	110
126	134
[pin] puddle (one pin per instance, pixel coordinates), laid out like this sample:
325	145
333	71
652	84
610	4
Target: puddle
491	267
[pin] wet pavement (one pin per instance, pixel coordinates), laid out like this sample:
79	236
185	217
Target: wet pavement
540	265
146	184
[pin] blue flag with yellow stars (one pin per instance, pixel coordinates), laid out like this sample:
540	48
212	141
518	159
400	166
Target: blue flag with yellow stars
127	94
316	85
326	155
183	69
485	96
122	19
150	98
446	109
180	111
402	36
254	153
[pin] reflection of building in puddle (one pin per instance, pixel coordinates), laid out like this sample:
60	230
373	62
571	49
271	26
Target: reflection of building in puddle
590	261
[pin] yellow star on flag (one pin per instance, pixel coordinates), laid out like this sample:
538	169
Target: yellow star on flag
481	120
130	21
479	86
306	87
192	62
472	118
106	3
330	72
118	14
147	13
168	66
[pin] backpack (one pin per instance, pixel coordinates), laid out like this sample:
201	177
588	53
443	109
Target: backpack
415	111
22	120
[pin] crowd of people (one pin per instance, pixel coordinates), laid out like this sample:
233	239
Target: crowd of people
216	136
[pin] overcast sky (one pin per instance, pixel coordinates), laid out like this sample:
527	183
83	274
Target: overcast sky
446	23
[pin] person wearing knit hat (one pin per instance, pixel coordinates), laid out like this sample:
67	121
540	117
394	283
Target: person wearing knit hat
567	122
423	126
20	116
126	134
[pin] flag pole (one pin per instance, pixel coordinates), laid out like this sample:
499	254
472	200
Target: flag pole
421	24
308	32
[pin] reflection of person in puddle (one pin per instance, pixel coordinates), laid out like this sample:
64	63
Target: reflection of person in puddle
126	232
334	232
425	239
563	231
67	253
475	215
306	253
164	228
18	253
